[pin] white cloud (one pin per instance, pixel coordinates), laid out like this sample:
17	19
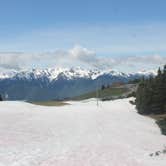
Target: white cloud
77	56
81	53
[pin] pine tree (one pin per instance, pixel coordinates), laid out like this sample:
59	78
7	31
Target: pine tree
140	96
164	87
1	98
157	104
103	87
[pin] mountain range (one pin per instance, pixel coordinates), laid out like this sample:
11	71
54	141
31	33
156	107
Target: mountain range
59	83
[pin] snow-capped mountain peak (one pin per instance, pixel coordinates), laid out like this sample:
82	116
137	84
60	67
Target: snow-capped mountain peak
59	83
69	73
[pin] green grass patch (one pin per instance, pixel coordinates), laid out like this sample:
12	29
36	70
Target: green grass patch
108	92
50	103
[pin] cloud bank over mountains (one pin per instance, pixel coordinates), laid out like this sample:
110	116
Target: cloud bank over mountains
77	56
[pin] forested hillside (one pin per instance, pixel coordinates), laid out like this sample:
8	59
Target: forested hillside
151	94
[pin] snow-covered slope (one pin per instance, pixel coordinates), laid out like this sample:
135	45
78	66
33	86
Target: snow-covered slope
80	134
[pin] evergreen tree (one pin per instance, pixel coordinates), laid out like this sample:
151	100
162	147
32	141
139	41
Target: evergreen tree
103	87
1	98
164	87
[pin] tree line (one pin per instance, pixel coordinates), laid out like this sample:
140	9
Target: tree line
1	98
151	94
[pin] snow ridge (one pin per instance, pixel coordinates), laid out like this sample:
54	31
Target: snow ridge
68	73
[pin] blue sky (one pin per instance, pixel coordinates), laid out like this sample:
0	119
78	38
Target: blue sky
109	28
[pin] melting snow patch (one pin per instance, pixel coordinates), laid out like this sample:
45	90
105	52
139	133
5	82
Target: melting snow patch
79	134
